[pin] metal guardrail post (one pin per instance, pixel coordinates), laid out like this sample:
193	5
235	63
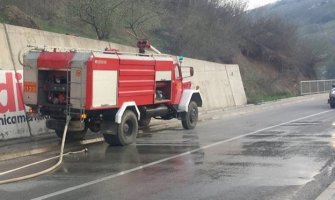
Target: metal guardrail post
308	87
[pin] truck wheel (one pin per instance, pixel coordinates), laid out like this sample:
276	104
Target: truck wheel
189	119
128	128
72	135
332	105
112	140
126	131
144	122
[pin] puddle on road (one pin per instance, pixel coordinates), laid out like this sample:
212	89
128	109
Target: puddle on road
266	135
278	158
299	135
265	148
302	123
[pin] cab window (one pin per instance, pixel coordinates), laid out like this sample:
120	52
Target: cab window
177	72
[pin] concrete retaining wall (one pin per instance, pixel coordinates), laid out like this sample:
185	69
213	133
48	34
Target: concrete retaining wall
221	85
5	58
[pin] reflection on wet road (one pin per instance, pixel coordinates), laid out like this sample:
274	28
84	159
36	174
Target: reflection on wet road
292	160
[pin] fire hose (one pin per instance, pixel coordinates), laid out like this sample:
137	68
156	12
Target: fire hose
60	156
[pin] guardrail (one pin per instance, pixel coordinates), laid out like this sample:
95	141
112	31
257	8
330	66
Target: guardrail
316	86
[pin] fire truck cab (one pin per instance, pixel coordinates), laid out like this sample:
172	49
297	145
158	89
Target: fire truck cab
110	92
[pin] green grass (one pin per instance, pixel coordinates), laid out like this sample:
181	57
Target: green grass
3	19
59	25
264	98
51	26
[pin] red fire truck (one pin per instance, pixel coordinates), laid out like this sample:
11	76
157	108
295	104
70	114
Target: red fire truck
107	91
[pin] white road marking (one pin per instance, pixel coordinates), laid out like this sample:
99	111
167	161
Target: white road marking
169	158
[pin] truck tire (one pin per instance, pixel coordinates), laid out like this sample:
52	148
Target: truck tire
128	128
71	135
332	105
126	131
112	139
144	122
189	119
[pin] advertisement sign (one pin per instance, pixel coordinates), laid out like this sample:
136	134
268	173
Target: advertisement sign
13	120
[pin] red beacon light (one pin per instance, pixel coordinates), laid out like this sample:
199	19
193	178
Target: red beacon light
142	45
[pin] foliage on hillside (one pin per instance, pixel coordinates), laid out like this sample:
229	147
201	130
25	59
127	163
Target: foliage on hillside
315	20
14	15
271	56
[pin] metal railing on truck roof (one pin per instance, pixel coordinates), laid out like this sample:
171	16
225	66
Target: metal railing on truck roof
74	50
111	51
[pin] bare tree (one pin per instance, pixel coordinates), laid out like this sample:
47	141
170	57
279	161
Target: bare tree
140	16
101	15
203	29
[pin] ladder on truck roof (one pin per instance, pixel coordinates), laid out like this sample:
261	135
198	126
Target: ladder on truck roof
76	50
70	111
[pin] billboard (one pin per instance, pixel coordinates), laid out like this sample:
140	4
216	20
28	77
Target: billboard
13	121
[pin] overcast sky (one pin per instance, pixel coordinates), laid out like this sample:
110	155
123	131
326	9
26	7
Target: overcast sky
257	3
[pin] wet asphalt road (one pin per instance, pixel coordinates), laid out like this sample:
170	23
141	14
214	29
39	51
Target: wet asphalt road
282	152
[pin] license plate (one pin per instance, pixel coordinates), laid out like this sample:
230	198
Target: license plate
29	87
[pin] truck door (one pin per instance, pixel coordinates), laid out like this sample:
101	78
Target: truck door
177	87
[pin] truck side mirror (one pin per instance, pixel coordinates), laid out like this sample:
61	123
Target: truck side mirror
191	71
187	72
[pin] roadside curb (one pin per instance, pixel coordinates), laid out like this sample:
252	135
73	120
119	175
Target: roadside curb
328	194
26	153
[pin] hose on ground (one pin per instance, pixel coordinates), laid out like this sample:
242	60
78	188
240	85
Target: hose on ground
68	119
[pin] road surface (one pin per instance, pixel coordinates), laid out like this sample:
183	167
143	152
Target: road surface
282	150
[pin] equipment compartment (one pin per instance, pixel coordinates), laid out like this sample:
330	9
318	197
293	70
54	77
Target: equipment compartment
54	87
163	91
